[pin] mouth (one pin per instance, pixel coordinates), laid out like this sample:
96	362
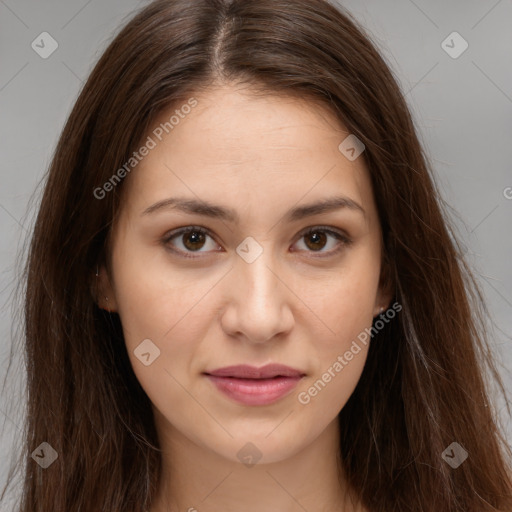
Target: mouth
255	386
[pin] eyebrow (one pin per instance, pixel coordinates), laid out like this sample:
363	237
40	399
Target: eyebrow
207	209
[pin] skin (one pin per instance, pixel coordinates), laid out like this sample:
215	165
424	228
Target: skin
260	156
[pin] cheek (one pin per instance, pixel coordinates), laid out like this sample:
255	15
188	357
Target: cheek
345	303
154	298
171	317
339	357
167	306
341	345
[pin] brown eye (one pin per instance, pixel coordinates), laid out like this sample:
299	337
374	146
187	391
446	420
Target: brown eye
188	240
193	240
317	238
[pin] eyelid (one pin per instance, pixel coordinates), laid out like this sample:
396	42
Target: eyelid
328	229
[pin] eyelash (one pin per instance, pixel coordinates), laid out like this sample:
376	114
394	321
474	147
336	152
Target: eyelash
344	239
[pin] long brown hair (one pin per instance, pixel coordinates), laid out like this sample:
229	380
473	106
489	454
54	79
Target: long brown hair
426	380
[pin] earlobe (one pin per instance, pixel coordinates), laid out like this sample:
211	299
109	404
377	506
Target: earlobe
103	291
384	297
378	311
385	293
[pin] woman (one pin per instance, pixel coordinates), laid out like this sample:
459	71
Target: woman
243	280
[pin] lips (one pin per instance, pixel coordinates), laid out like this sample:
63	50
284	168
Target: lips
255	386
244	371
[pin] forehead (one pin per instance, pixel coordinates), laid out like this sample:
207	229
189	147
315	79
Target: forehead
262	149
241	123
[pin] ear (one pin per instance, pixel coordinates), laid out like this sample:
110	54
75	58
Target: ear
385	291
103	290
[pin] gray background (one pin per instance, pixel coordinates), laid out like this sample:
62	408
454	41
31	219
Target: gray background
462	108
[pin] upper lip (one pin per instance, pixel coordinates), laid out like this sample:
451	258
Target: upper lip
244	371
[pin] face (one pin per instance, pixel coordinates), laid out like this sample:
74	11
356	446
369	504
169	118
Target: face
257	279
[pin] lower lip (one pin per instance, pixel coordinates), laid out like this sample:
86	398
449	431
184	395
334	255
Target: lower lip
255	391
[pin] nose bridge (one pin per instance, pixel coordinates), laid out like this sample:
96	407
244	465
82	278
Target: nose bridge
258	306
255	270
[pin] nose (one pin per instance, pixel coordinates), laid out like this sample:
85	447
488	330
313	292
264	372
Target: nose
258	307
